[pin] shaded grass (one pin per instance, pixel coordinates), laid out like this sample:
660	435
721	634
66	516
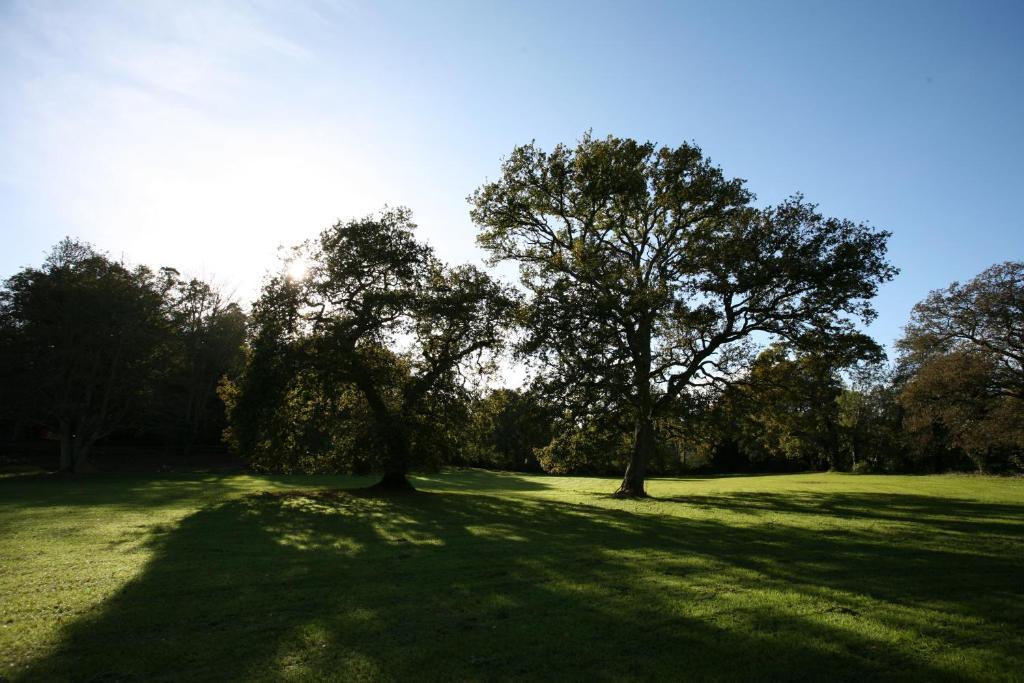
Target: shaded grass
501	576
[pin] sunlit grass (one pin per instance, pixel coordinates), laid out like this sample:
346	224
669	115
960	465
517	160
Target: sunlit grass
501	576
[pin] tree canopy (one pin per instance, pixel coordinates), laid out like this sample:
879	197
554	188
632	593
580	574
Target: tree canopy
649	273
666	320
984	317
963	356
378	314
83	337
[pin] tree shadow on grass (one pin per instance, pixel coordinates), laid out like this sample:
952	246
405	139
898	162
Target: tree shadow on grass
149	491
142	491
351	585
471	480
926	513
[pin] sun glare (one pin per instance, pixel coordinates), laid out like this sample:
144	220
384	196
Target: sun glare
297	269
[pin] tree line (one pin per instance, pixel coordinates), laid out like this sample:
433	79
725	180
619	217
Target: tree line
91	348
667	322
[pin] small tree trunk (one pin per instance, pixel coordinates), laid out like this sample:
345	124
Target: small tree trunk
643	448
82	463
67	447
19	424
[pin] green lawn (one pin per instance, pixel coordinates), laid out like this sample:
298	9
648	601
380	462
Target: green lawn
500	576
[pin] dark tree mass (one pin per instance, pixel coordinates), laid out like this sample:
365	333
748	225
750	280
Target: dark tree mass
963	357
664	323
92	347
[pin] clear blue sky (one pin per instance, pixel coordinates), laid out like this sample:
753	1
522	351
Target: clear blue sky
204	135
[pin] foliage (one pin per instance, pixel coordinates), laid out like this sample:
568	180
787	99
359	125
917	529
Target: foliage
505	428
312	430
91	348
870	421
376	313
649	272
584	448
792	410
653	284
963	357
952	403
84	339
796	410
984	315
207	333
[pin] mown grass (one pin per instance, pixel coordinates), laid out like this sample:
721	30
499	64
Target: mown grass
498	576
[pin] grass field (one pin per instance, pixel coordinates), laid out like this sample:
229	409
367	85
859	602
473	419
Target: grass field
500	576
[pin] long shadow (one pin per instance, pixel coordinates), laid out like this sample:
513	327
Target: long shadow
142	491
471	480
348	585
147	490
927	513
711	476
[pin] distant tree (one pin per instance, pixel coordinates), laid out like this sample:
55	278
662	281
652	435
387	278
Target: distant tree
84	337
984	316
584	446
207	336
792	410
506	427
601	444
789	406
650	271
691	433
955	402
870	421
963	356
376	311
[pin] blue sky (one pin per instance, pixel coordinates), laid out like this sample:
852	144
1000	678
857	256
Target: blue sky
203	135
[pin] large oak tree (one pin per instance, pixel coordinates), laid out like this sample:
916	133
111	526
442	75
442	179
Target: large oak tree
651	273
376	312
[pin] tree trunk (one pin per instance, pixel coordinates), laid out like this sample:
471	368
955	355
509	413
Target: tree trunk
67	448
392	427
19	424
643	448
82	463
397	463
74	449
835	450
643	434
394	481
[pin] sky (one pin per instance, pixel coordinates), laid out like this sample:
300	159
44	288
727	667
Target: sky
205	135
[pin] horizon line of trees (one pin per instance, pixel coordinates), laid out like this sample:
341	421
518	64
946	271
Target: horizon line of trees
669	325
93	349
